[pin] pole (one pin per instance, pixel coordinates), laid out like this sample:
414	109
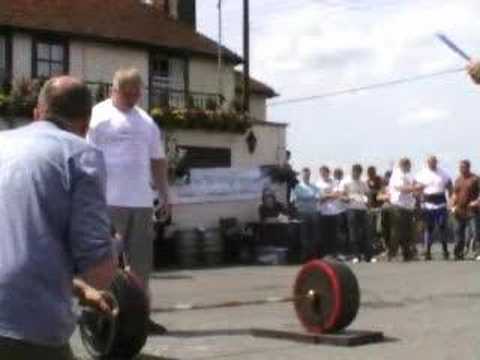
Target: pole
220	54
246	56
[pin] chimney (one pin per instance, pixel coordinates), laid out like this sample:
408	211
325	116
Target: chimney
162	5
187	12
180	10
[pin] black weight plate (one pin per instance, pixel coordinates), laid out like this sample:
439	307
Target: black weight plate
350	293
130	328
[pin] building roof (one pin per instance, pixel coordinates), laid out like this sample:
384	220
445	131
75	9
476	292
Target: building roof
124	21
256	86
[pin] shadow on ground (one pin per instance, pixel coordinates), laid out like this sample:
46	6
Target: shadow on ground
205	333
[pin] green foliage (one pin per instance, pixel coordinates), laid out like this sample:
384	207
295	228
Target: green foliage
196	119
22	98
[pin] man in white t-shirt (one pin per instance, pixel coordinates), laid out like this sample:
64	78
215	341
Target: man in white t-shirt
331	207
135	160
436	185
355	192
403	191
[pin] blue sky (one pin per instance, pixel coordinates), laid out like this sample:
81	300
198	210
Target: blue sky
310	47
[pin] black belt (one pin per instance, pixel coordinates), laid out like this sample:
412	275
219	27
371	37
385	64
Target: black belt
436	199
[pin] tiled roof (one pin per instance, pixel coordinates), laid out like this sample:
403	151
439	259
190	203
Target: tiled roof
256	86
127	21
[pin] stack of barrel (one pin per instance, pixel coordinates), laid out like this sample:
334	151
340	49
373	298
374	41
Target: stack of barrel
199	247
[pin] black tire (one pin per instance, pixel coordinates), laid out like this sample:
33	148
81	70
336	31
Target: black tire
132	324
338	291
350	297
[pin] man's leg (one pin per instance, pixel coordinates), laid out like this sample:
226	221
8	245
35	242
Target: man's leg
442	222
408	241
121	221
141	240
354	233
476	235
364	240
307	237
459	228
429	221
327	235
396	232
18	350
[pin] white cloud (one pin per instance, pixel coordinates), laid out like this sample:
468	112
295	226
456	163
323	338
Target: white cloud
310	47
423	116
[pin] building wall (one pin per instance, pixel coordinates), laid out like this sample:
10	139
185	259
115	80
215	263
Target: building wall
203	78
258	107
98	62
271	144
270	151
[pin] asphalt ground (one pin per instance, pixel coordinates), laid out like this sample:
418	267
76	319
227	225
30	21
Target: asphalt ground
427	310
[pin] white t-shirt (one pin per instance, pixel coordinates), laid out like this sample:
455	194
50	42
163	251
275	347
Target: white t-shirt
129	141
398	198
435	182
356	191
331	206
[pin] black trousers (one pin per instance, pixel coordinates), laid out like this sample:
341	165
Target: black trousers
329	239
358	231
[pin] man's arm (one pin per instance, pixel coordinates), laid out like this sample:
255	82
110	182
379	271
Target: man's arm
89	236
473	69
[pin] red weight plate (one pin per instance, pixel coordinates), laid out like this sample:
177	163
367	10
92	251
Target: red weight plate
326	296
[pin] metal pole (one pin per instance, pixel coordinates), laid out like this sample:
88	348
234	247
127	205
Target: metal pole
220	54
246	56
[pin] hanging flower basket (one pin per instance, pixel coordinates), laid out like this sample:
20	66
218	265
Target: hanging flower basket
197	119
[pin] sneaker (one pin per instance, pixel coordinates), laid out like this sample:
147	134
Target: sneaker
355	260
156	329
477	258
373	260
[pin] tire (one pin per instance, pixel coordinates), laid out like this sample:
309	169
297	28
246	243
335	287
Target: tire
130	327
338	296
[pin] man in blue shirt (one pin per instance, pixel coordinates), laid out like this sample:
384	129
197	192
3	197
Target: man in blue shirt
305	196
54	225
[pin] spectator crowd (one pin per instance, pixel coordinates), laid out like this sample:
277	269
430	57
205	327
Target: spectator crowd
361	218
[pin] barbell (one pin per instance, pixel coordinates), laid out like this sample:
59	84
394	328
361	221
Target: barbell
326	298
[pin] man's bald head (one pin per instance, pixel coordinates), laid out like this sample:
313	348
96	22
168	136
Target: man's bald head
66	101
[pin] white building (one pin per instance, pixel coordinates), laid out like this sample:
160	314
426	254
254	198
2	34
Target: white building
91	39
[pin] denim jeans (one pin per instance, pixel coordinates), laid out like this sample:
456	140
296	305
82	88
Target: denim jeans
460	227
435	218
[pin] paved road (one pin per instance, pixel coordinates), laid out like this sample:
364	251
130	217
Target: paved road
427	310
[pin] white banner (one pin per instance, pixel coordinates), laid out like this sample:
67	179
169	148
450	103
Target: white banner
214	185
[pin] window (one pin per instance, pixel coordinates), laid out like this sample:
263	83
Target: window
4	60
168	78
50	58
204	157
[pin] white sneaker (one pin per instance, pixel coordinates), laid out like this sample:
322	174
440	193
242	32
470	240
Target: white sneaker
355	260
477	258
373	260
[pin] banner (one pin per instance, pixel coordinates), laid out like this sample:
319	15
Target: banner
215	185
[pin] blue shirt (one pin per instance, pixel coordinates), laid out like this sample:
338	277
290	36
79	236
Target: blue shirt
53	225
306	197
